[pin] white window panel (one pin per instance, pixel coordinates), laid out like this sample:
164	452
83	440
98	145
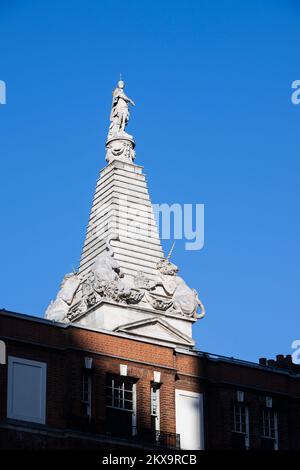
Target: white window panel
240	422
26	397
270	425
269	402
189	419
155	405
2	353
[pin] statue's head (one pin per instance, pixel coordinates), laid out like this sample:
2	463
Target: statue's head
121	84
164	266
66	278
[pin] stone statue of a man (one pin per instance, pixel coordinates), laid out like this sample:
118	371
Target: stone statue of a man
119	115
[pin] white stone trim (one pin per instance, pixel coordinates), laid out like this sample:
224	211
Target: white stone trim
2	353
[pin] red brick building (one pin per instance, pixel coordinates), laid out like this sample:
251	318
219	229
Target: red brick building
244	404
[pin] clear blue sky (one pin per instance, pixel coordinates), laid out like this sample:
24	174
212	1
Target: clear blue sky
214	124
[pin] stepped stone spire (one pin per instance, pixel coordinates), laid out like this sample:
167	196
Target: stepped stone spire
124	282
122	220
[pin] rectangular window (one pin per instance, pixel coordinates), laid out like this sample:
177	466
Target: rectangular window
269	402
269	428
240	426
2	352
155	407
87	393
154	400
120	393
26	394
121	405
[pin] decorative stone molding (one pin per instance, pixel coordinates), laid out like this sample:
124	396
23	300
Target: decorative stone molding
185	301
157	329
121	148
105	281
159	302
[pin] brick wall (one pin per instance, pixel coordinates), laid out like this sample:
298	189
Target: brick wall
64	350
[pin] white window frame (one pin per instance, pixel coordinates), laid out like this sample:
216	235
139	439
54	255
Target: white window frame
87	380
43	366
134	417
275	438
241	405
269	402
122	399
119	403
155	397
2	353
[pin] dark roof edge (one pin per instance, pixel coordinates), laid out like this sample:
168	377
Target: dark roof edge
227	359
25	316
194	352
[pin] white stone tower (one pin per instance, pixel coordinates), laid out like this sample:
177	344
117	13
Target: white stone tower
124	283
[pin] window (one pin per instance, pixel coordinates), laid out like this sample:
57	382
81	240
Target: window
154	400
26	394
269	429
269	402
120	393
240	426
87	393
121	405
155	407
2	353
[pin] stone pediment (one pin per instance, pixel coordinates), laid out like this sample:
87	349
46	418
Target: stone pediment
156	329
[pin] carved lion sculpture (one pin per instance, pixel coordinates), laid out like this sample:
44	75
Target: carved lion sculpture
58	309
186	300
106	268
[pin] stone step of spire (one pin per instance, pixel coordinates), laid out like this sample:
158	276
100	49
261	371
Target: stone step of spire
122	207
124	251
141	246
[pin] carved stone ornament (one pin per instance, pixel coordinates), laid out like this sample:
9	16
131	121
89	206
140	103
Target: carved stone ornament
164	266
159	302
120	149
119	115
142	282
59	308
105	282
184	300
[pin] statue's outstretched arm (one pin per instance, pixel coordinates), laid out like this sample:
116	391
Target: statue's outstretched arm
125	97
